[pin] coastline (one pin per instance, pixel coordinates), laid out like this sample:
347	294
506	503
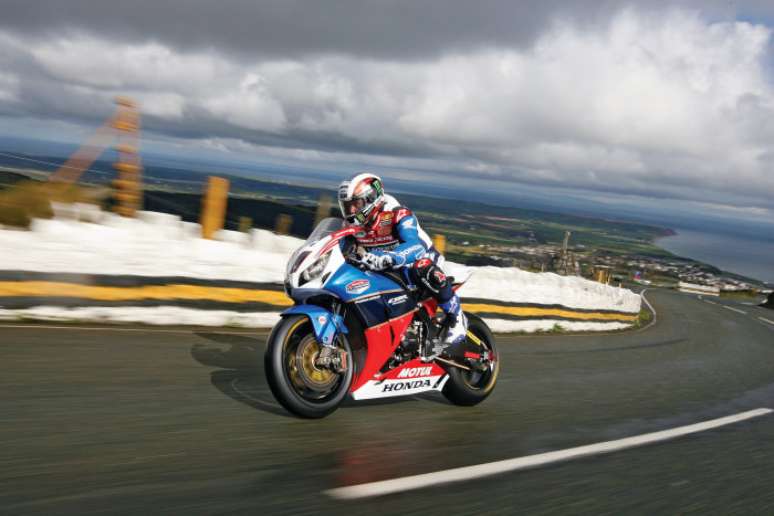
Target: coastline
735	255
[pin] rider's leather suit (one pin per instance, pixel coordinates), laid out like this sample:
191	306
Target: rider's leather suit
395	231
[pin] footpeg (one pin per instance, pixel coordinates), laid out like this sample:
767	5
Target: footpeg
439	347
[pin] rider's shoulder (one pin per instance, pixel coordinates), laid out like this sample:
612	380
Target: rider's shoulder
397	209
390	203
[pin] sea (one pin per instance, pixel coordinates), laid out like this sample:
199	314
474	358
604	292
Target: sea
741	254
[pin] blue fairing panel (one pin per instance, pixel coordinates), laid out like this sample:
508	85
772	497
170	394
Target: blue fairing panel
325	324
350	283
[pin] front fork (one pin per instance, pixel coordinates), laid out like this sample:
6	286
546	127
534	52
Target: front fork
326	324
327	327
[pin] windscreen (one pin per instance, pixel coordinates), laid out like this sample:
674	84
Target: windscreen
325	228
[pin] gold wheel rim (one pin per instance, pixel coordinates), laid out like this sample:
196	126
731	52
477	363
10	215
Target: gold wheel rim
303	370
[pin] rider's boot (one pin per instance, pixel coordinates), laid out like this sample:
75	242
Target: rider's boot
456	323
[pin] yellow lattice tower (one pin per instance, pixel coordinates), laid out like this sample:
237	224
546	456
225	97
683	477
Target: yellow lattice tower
128	187
124	127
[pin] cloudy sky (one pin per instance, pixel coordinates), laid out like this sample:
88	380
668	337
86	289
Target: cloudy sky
641	100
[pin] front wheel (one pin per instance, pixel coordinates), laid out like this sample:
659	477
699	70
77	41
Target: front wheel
473	386
300	386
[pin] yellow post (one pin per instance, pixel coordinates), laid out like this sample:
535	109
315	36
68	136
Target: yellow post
602	274
282	226
323	209
439	241
214	206
245	224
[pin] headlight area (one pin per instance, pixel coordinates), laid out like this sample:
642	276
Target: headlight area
295	261
313	271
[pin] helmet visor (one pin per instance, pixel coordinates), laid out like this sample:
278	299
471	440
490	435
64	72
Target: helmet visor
356	209
352	206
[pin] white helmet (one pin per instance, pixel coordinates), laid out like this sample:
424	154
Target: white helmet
359	196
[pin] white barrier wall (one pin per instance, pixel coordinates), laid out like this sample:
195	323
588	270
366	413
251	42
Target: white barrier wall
159	244
693	288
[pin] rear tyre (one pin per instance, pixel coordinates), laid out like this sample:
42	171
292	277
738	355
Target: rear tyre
469	388
296	382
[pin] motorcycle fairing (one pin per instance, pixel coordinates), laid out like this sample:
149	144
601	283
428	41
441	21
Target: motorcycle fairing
411	378
350	283
325	324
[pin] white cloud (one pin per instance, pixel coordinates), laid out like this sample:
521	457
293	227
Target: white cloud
650	103
249	105
9	85
82	59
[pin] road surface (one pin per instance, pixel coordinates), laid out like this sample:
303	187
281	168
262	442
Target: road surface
106	421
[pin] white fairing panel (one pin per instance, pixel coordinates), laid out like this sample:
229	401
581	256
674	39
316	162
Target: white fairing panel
399	387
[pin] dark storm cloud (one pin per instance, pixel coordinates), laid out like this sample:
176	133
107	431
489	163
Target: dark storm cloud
398	29
633	97
288	28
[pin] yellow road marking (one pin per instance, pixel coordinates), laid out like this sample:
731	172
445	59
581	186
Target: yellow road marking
527	311
244	295
147	292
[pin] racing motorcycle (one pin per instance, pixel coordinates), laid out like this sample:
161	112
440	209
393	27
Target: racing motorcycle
353	331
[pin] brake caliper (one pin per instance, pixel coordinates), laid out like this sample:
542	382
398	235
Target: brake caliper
332	358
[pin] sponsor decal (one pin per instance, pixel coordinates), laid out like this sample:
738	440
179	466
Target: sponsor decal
413	372
406	386
398	300
440	277
375	240
358	286
368	298
417	250
400	387
322	319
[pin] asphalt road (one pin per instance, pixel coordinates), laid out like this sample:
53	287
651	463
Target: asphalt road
179	422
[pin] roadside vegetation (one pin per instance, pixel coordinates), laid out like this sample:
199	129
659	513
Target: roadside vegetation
645	317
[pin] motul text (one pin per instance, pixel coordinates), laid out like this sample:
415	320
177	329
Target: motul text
413	372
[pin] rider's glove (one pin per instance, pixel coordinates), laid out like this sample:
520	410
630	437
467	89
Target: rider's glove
377	262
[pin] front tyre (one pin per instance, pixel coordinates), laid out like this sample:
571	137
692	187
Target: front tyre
298	384
472	387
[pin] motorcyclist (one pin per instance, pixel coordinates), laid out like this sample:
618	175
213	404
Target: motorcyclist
393	239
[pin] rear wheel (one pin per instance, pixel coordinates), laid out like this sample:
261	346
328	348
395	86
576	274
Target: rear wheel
296	381
473	386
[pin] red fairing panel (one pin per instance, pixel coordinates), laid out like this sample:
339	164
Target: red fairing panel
381	342
399	326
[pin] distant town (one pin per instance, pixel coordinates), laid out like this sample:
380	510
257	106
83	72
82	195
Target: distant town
612	268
